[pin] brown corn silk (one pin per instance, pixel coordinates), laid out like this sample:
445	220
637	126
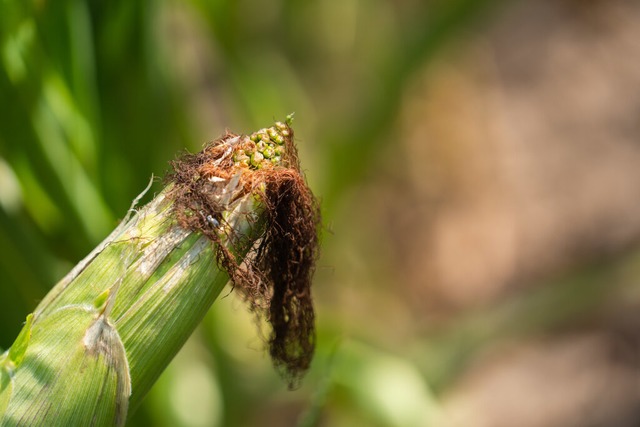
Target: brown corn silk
275	274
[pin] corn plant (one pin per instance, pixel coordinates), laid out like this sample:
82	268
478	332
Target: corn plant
239	210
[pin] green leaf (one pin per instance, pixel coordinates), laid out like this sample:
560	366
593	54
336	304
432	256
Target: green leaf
5	384
74	373
19	347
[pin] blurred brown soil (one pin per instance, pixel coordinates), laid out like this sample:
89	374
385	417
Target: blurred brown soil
522	162
522	154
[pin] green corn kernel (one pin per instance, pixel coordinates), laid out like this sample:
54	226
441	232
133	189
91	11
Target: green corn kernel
256	159
259	135
268	152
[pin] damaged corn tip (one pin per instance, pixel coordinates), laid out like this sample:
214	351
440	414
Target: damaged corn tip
263	148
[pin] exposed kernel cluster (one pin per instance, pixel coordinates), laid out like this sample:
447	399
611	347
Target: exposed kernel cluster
263	148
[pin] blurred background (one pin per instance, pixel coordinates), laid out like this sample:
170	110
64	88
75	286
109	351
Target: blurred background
478	163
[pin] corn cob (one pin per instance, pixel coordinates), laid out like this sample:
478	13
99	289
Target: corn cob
240	210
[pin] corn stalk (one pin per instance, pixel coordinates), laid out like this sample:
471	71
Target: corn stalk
97	342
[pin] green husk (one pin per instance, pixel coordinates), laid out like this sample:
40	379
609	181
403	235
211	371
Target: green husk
98	341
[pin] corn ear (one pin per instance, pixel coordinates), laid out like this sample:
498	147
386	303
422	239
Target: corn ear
145	290
99	340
